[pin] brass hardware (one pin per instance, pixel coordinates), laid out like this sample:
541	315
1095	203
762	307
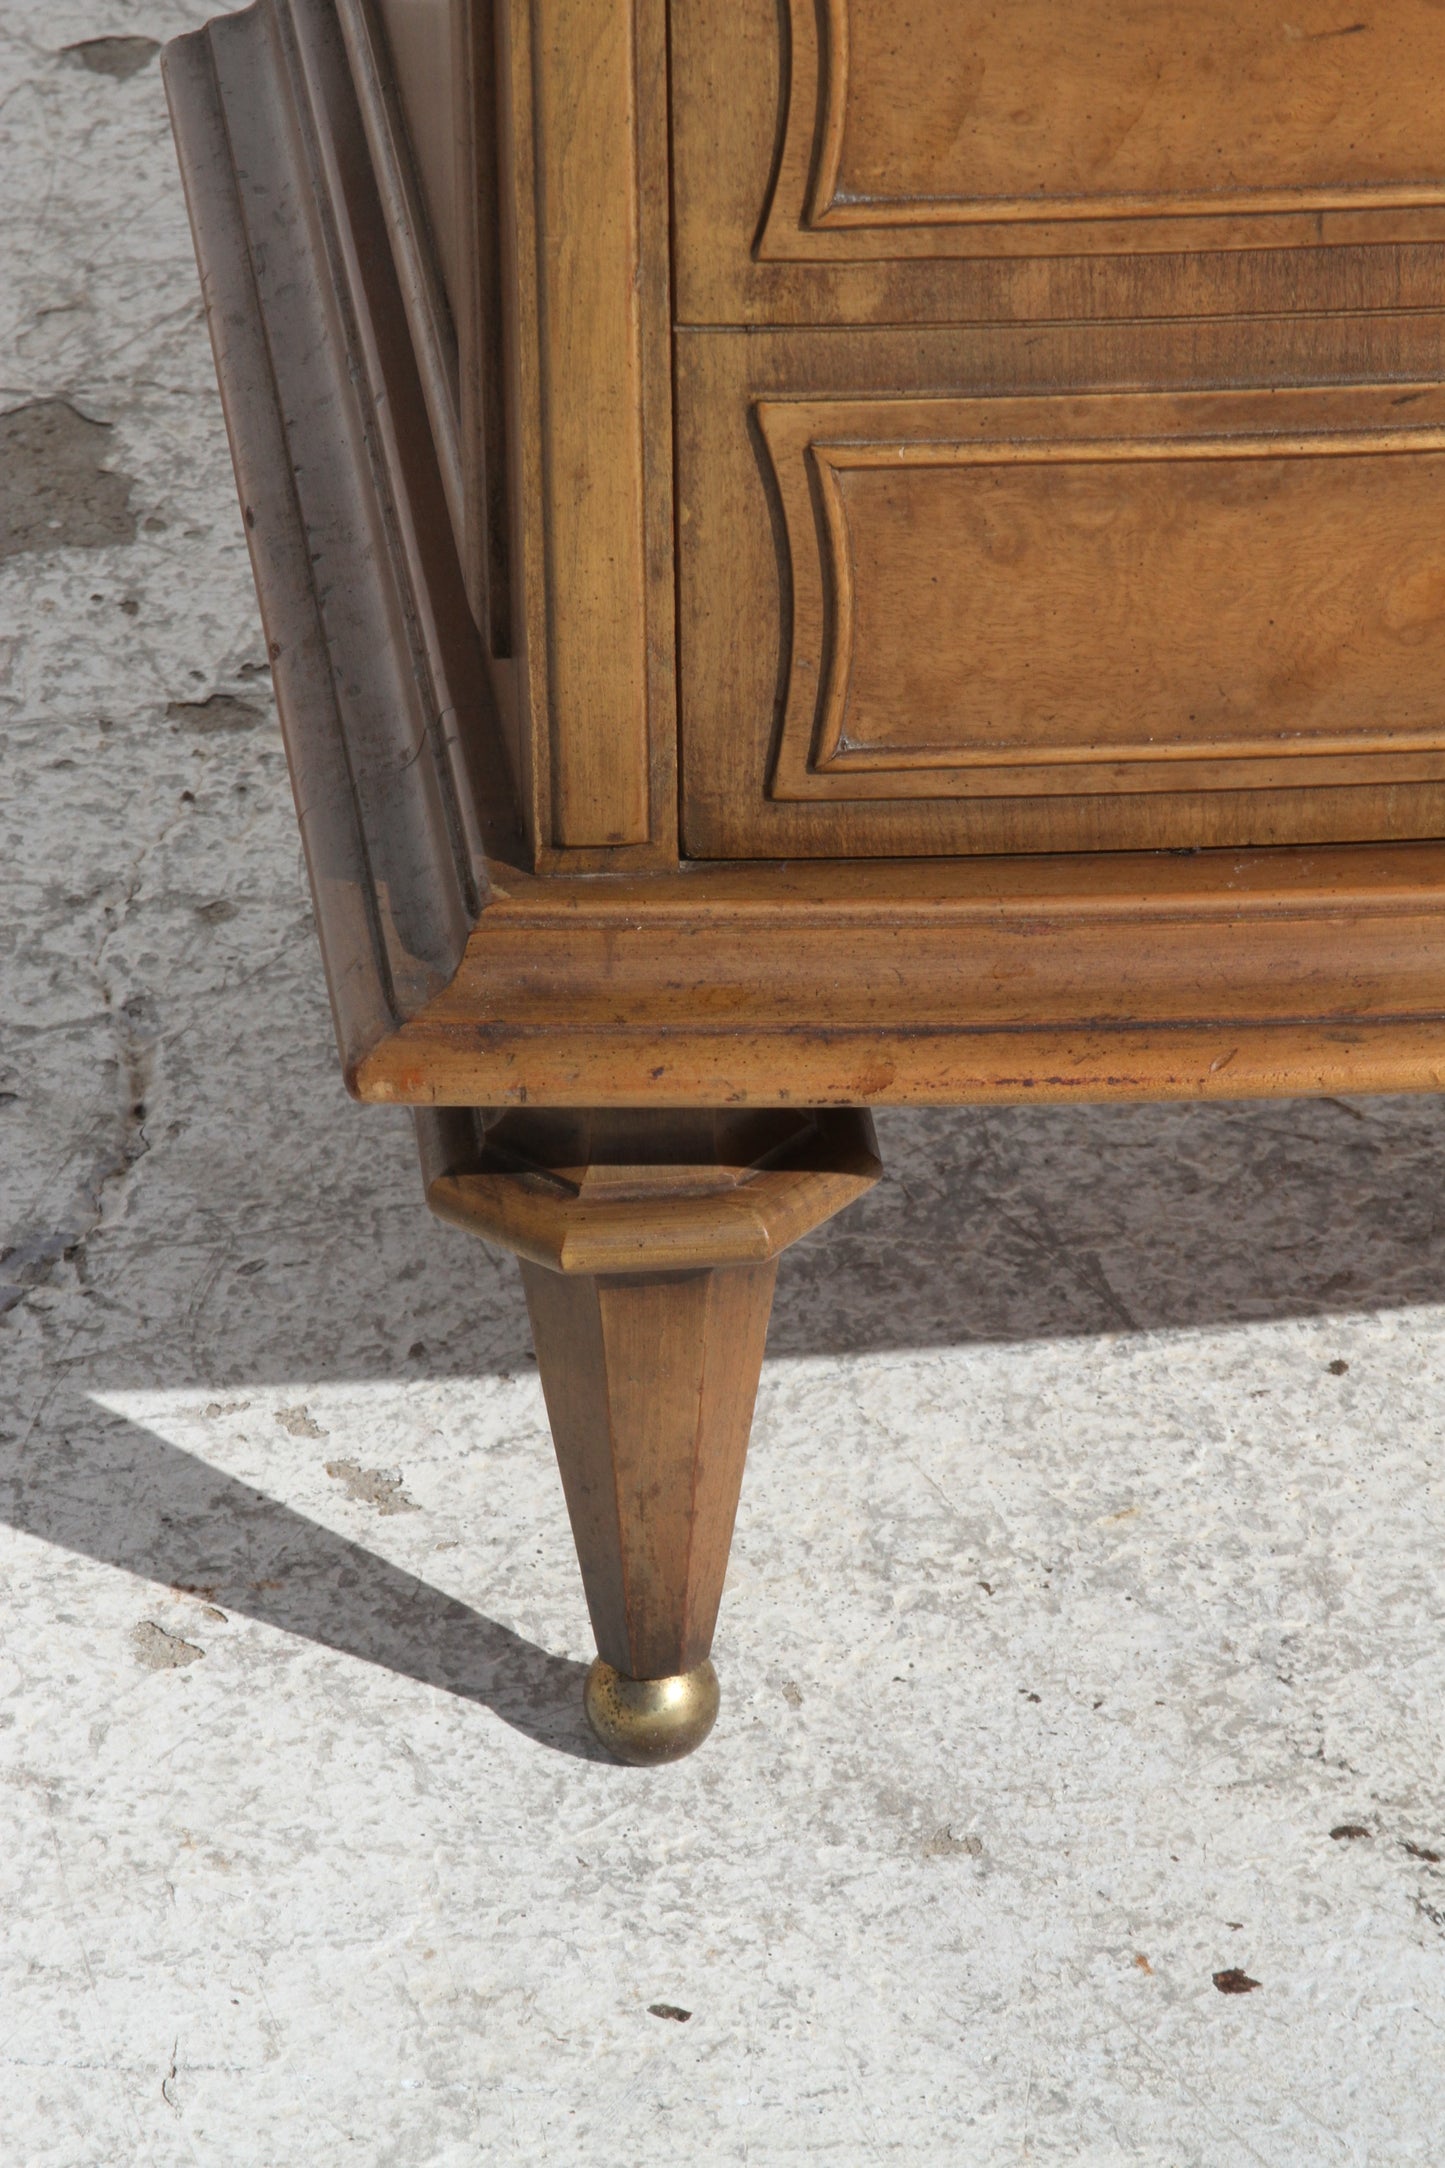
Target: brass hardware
651	1720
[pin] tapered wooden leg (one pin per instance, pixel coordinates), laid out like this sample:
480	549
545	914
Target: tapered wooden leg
650	1382
648	1245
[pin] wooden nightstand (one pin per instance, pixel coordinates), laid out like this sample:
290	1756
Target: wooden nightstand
819	554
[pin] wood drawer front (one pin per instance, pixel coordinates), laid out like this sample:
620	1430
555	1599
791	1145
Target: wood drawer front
1115	593
845	158
1070	620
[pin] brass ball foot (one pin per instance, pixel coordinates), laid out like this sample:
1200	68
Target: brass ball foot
651	1720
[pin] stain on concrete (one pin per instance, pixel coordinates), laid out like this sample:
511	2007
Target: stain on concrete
157	1650
120	58
299	1423
1348	1832
56	493
33	1259
379	1487
943	1844
222	712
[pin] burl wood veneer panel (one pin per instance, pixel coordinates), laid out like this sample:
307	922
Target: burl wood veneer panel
856	160
1064	620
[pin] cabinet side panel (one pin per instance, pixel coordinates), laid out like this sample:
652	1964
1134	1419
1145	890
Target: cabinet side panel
419	37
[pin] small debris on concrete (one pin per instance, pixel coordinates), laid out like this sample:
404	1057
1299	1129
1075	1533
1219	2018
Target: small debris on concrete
1235	1982
669	2010
158	1650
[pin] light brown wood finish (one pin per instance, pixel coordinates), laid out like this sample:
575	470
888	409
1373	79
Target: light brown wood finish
751	81
650	1381
399	54
371	670
602	1192
424	77
649	1245
538	141
1220	974
1059	429
1111	976
981	621
1046	594
587	288
1123	115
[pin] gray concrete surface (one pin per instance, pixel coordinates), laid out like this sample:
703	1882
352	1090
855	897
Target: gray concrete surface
1083	1642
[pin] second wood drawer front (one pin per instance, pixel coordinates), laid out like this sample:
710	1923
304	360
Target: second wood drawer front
1077	619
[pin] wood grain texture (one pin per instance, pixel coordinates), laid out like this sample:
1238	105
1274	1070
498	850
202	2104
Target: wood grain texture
1103	976
1015	596
422	50
459	978
797	205
425	79
585	165
649	1245
987	548
966	115
650	1381
401	57
603	1192
372	653
525	148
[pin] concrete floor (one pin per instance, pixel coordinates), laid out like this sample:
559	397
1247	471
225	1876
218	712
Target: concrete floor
1083	1642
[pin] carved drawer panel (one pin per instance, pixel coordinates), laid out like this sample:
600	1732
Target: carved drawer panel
841	159
1136	593
913	128
1065	620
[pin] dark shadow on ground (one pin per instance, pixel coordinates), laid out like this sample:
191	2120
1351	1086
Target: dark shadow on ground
113	1491
990	1225
999	1225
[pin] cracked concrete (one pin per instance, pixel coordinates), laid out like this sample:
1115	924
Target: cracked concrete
1077	1795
